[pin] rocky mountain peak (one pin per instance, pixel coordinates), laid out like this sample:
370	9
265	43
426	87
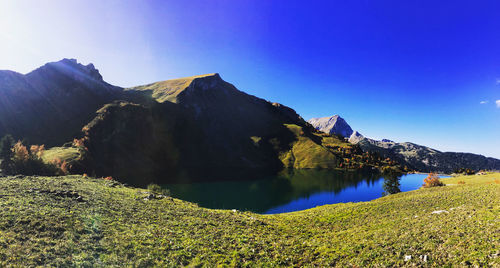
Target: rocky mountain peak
72	68
334	125
206	81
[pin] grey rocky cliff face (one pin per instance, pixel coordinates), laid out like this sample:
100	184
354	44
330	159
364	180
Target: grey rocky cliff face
333	125
356	137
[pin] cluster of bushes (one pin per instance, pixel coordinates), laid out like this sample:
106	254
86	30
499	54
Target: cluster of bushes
465	171
17	158
355	158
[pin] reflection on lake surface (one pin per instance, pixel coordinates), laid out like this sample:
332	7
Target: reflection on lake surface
292	191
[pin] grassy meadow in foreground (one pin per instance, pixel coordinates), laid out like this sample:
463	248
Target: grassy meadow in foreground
78	221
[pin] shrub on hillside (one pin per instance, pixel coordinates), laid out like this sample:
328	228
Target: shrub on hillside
432	181
18	159
465	171
157	189
63	167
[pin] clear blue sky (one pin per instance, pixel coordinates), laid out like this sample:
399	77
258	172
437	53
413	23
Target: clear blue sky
403	70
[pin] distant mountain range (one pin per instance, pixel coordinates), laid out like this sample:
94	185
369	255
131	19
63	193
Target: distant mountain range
414	156
197	127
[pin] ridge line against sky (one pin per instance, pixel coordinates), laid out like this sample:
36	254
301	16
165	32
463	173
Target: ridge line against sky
424	72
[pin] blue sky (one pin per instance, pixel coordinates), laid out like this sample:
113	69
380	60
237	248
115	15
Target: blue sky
403	70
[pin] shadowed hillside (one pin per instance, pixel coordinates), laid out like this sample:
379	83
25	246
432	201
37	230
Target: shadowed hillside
51	104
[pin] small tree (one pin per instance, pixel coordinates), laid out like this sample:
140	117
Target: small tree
432	181
6	153
391	185
6	144
21	153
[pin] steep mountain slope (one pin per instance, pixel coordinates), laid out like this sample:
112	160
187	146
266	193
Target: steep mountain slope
333	125
51	104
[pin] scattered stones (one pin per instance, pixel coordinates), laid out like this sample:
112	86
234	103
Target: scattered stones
112	184
57	193
439	211
407	257
234	210
151	196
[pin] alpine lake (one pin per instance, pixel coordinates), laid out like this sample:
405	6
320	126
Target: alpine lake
294	190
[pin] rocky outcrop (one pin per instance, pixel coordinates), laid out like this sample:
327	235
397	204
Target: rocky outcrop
356	137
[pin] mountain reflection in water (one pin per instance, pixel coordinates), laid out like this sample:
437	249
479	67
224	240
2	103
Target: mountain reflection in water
292	190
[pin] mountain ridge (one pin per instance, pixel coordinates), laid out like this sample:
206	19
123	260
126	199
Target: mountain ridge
51	103
168	90
175	127
412	155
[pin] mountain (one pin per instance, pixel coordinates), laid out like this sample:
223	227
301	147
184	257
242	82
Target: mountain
202	127
52	103
333	125
195	127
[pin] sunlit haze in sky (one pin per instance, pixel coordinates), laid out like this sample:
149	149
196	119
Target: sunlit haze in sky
421	71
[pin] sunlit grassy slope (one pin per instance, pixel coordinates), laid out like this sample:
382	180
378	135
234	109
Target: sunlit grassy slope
304	153
43	222
168	90
62	153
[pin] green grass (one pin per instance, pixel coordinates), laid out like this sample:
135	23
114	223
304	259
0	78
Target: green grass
115	226
168	90
305	153
68	154
489	178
